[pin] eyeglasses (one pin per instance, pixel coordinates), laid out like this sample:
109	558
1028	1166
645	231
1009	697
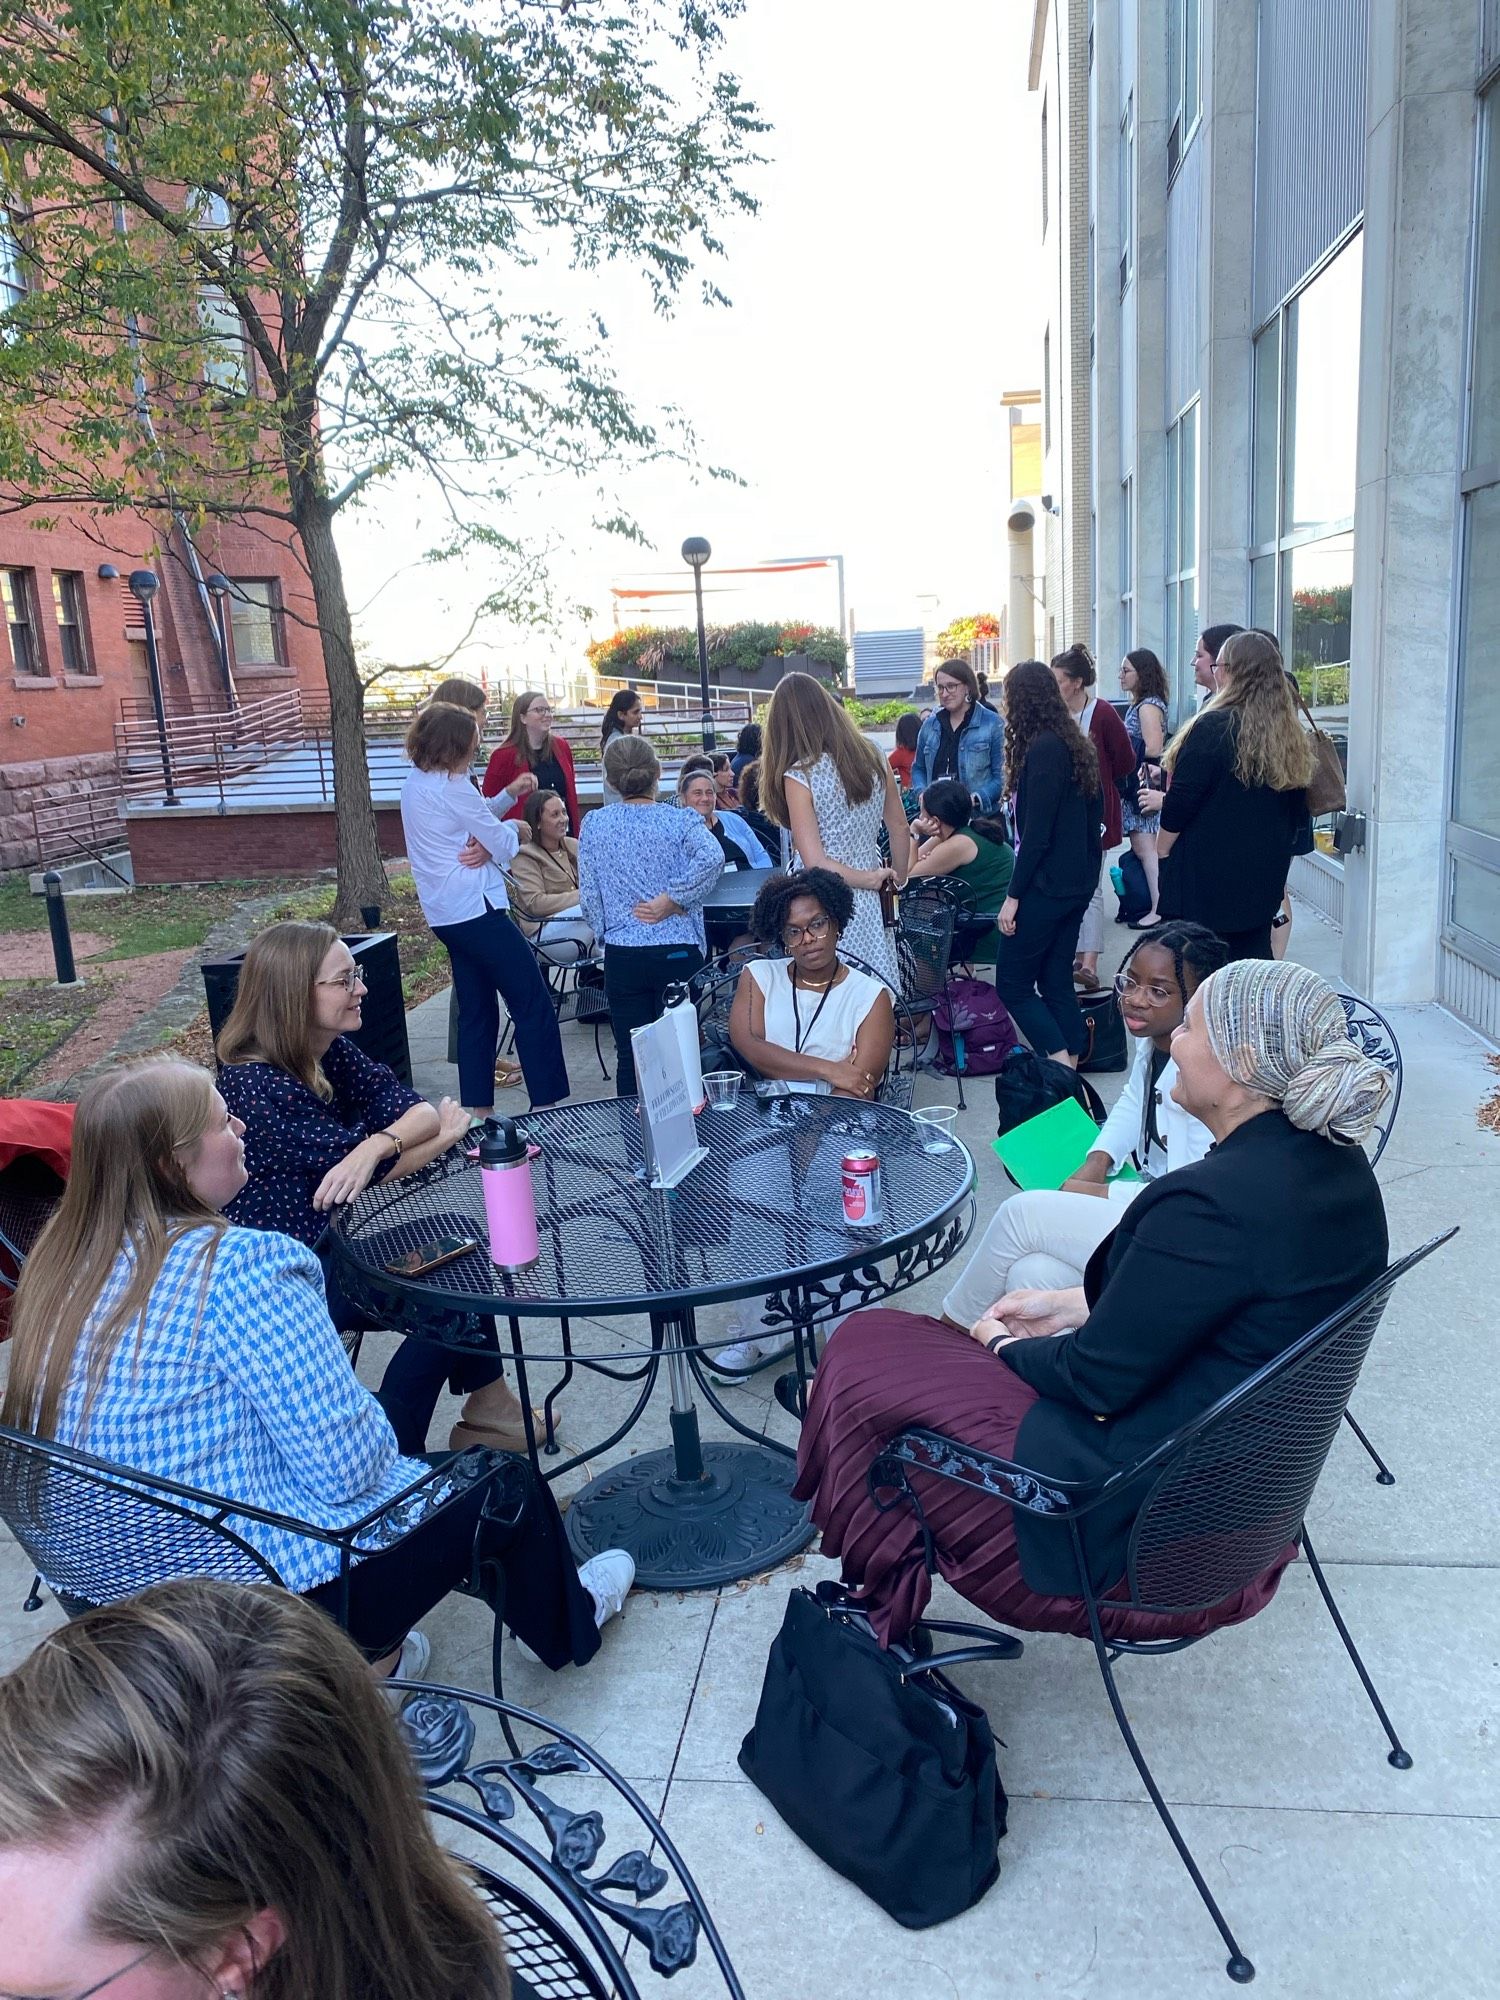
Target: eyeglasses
349	981
1126	983
89	1991
537	710
818	927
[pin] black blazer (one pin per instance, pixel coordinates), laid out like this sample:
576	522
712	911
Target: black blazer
1057	828
1213	1271
1228	867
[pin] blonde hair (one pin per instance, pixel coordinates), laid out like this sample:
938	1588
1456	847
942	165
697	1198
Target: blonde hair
1270	747
442	737
127	1189
248	1761
803	723
272	1017
631	766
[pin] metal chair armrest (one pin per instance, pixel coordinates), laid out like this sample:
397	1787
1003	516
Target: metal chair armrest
965	1465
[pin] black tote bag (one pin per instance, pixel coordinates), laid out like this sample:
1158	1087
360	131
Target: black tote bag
892	1782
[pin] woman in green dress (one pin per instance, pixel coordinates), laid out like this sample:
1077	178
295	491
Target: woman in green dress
952	843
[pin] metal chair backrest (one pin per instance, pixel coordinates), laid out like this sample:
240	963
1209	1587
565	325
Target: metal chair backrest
924	941
26	1206
571	1907
97	1534
1376	1038
1230	1491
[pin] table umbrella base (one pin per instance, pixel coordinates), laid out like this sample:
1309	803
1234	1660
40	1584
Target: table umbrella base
738	1520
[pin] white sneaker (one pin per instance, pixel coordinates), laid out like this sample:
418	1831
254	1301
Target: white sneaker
415	1658
607	1578
734	1362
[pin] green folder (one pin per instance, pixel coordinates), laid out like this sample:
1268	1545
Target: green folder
1044	1151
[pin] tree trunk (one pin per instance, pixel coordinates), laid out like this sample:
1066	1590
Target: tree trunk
361	871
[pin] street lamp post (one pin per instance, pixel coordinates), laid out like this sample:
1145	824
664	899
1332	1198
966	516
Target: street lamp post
144	584
218	587
696	552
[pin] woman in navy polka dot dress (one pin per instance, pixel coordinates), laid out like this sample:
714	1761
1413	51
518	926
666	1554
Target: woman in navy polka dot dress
322	1120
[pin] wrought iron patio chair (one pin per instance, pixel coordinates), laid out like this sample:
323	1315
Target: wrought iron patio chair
575	983
565	1934
26	1205
1218	1502
97	1531
924	949
1375	1036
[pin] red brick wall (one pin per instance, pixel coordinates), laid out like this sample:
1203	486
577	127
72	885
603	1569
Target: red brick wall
205	847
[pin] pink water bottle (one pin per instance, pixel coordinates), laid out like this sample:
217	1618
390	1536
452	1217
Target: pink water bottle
509	1200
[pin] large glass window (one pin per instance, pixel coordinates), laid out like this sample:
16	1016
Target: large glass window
1302	476
1127	564
12	267
1473	912
1181	549
18	603
1127	193
72	633
254	609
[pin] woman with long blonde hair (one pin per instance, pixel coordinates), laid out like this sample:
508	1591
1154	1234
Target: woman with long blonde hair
185	1779
152	1332
1239	772
824	781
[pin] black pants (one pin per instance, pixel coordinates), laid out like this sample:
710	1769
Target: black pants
417	1372
1034	973
1254	943
508	1525
491	960
636	978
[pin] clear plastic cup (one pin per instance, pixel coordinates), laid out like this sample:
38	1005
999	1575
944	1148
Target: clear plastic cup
723	1087
939	1128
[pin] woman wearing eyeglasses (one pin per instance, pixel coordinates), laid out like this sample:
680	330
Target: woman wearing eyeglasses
809	1019
1044	1239
532	747
322	1120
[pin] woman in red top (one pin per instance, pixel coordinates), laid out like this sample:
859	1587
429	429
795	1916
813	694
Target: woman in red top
531	746
904	755
1074	673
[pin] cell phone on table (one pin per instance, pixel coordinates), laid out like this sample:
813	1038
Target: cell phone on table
428	1256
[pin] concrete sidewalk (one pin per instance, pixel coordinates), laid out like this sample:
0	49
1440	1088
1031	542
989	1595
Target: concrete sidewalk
1342	1876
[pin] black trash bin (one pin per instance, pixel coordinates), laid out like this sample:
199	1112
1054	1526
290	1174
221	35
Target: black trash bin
381	1033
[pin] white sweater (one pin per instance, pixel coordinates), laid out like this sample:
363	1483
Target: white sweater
1123	1133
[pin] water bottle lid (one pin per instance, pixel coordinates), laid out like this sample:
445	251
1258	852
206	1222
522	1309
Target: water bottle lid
502	1144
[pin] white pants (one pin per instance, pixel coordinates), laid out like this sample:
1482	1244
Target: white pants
1091	930
564	940
1042	1239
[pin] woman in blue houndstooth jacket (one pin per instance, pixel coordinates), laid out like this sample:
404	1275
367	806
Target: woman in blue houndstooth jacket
151	1332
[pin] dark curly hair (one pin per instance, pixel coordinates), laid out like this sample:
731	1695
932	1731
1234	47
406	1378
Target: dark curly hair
1033	705
1194	949
830	892
1150	674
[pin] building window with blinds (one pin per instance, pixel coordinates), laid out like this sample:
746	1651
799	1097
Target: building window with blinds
1305	422
18	604
1181	551
255	622
72	633
1472	916
1184	79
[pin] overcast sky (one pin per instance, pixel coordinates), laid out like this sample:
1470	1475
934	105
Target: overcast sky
884	296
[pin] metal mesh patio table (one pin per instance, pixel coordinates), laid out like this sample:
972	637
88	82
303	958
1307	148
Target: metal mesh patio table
761	1217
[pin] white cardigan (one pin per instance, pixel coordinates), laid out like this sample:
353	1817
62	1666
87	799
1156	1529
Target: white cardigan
1123	1134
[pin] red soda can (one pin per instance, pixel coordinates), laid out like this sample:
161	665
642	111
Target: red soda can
862	1189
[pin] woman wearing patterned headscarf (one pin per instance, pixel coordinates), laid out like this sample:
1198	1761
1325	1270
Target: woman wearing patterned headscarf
1214	1270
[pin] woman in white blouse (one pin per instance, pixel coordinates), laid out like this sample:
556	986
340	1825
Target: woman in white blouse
1044	1239
809	1019
458	847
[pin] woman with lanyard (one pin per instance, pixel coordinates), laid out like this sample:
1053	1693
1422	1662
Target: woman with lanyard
963	740
531	746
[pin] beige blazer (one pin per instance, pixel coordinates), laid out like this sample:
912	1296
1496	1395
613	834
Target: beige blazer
541	884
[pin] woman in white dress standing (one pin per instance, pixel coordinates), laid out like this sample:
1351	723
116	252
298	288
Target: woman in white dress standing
826	783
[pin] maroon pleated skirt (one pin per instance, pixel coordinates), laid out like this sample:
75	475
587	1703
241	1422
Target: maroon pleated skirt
883	1371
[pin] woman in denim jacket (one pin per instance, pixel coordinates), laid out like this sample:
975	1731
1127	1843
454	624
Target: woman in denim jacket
963	739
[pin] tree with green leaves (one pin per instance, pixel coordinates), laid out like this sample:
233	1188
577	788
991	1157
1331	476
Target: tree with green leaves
277	258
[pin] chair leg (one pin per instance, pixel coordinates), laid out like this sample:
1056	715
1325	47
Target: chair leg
1383	1474
1239	1968
34	1595
1398	1755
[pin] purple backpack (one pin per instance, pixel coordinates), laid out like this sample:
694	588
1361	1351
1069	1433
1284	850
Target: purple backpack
974	1029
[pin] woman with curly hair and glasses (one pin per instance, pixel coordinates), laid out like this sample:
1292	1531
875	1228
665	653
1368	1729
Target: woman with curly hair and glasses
1052	775
1237	800
1046	1236
808	1018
